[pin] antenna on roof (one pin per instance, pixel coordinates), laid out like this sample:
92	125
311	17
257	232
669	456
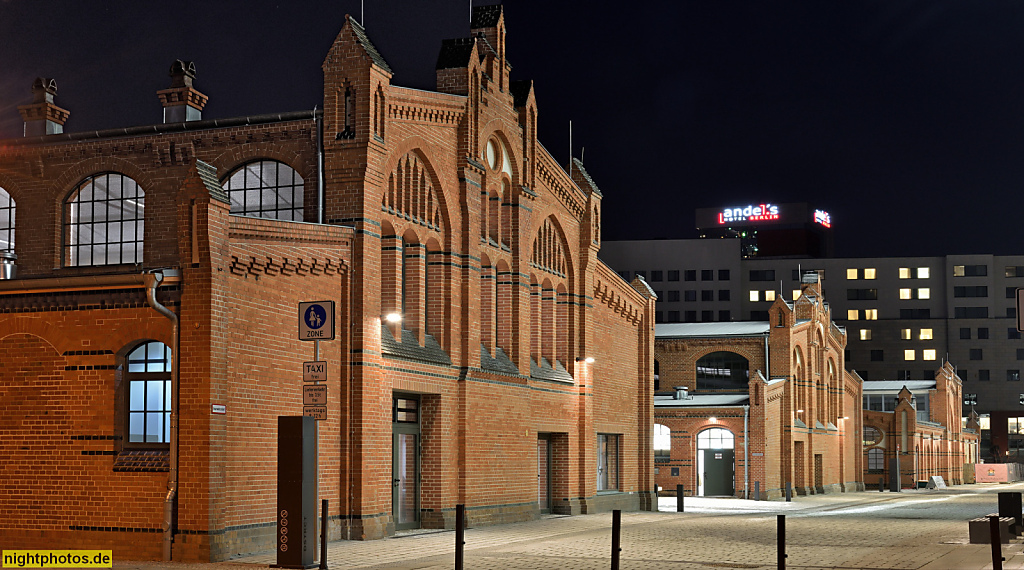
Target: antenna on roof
362	14
470	11
582	150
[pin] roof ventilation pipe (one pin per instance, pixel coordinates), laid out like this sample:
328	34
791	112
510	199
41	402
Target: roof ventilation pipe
682	392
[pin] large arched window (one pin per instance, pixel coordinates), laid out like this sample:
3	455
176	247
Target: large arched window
716	438
662	442
149	394
722	371
266	189
104	221
6	221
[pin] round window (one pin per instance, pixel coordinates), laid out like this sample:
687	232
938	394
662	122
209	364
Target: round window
871	435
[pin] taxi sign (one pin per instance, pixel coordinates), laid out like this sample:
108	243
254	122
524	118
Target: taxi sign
314	371
316	320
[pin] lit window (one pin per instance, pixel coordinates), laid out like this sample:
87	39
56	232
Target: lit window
928	354
869	273
851	273
769	295
6	221
662	442
904	273
923	273
924	293
104	221
266	189
905	294
865	334
958	271
796	294
755	295
851	314
870	314
905	334
926	334
908	354
149	393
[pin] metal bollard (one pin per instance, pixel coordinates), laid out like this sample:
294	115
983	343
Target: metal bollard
679	498
781	548
616	528
789	492
460	535
881	484
323	534
757	490
997	547
1010	506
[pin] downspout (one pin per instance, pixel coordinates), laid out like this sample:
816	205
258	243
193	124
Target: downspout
320	187
746	452
152	281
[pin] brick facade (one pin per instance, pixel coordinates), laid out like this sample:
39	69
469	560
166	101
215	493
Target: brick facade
441	206
794	417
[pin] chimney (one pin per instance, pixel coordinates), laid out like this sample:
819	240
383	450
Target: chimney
43	117
682	392
182	102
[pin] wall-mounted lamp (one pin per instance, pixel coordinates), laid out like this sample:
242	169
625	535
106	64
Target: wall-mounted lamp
799	411
845	418
393	317
712	419
588	359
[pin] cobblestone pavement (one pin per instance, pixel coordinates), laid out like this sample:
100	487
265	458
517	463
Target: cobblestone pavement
924	530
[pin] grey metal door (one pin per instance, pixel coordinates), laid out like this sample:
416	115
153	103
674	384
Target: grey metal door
718	472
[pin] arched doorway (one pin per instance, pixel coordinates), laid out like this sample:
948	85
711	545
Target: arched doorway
716	466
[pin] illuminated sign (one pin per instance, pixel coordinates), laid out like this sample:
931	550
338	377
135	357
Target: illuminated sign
759	213
822	217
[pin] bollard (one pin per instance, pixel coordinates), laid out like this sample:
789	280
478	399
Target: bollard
881	484
679	498
789	492
616	528
997	550
323	534
757	490
781	548
1010	506
460	534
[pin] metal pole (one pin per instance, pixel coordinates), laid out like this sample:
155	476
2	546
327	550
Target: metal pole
679	498
323	535
789	492
781	533
460	535
757	490
997	549
616	527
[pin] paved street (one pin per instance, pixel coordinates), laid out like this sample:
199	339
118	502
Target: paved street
912	530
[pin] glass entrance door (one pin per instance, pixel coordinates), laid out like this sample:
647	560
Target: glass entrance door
405	464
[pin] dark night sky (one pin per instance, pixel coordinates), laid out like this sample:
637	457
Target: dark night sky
903	118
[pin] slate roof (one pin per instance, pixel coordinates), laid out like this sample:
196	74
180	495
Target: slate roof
702	401
500	362
208	174
409	348
897	385
371	50
685	330
545	371
578	165
485	16
455	53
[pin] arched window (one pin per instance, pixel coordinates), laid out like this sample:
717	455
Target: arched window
266	189
871	436
104	221
6	221
662	442
722	371
876	460
716	438
149	393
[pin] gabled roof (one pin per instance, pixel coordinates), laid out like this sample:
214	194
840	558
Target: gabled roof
485	16
371	50
455	53
688	330
897	385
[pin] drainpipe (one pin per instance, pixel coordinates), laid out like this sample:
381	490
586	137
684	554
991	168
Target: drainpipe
320	192
152	281
746	452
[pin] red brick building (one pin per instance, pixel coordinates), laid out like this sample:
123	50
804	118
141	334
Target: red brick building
920	422
758	405
148	333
